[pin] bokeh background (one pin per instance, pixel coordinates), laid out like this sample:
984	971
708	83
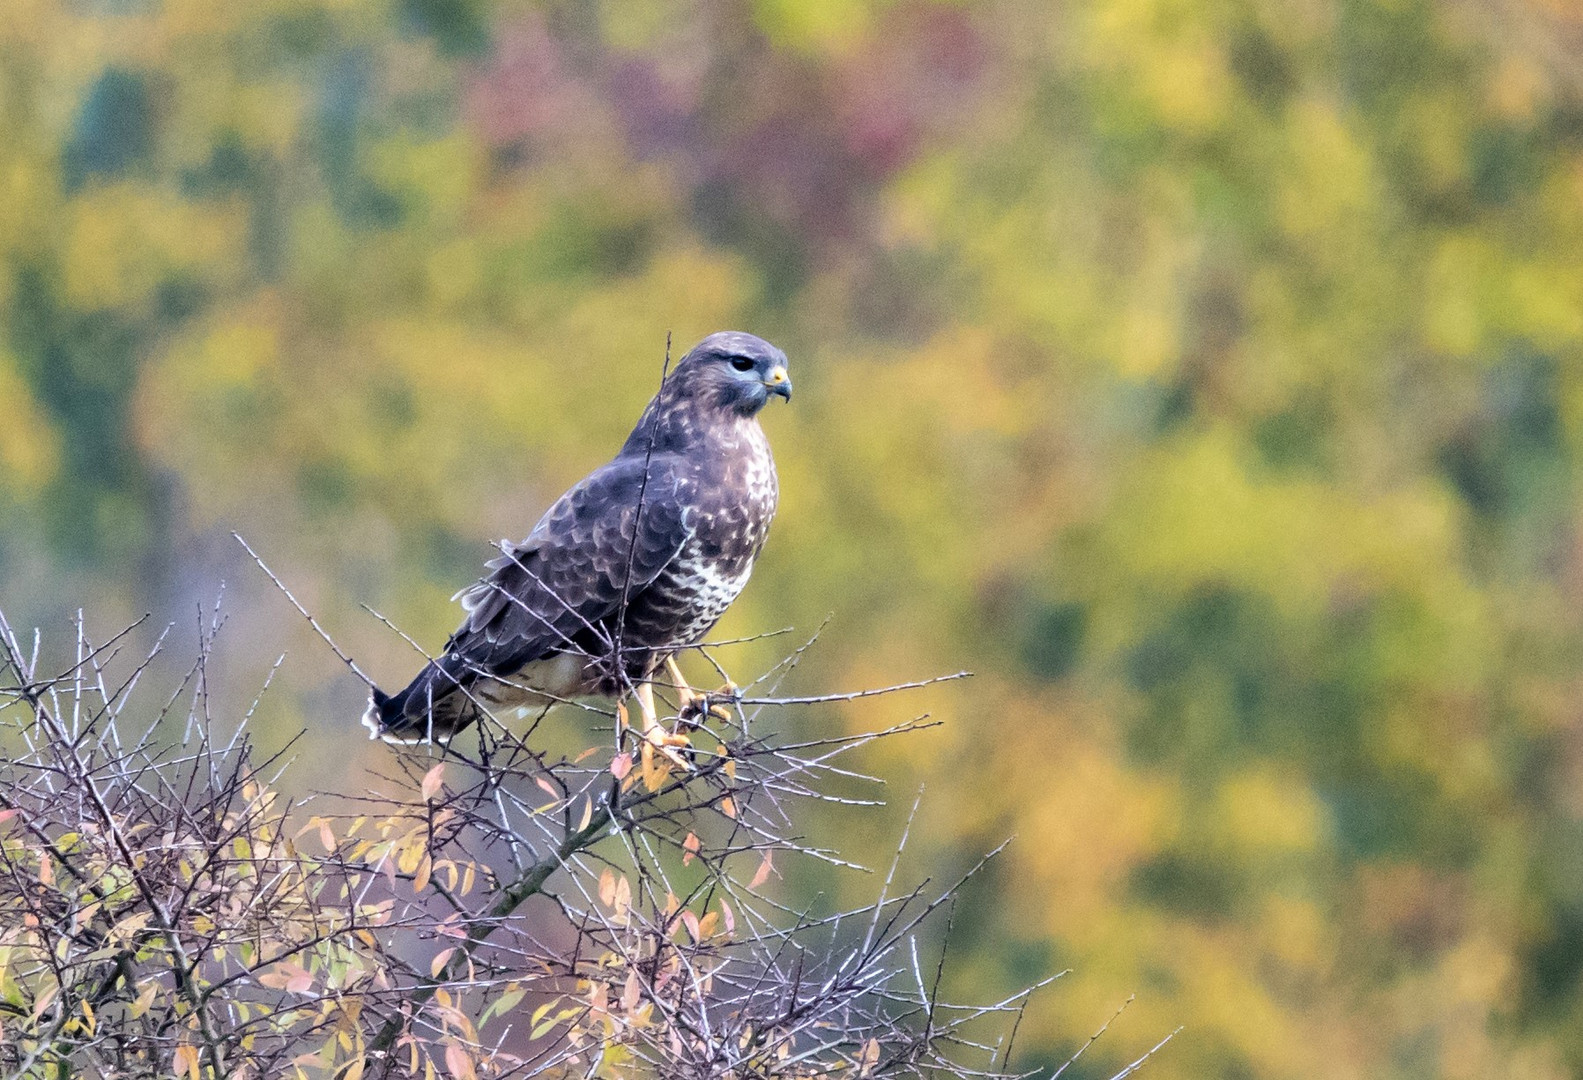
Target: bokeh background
1207	375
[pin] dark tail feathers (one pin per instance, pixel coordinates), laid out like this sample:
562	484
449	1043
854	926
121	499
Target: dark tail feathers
430	708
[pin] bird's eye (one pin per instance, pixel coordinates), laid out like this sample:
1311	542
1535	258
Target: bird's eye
741	363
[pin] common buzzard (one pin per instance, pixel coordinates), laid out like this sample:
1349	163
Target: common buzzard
636	561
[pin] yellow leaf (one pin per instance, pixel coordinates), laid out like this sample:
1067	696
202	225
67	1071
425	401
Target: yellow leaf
868	1058
623	897
145	999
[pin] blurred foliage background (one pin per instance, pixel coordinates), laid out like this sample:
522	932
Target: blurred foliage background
1207	375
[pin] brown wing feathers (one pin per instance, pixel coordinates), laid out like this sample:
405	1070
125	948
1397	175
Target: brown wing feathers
559	590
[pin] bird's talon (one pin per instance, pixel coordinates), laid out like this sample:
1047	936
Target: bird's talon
697	708
658	741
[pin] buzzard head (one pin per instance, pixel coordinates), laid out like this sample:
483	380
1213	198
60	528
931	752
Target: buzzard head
733	370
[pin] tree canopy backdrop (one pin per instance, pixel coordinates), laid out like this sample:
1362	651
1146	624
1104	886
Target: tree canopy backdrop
1207	376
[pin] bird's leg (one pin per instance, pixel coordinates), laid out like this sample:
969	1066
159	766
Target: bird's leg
691	706
655	737
685	695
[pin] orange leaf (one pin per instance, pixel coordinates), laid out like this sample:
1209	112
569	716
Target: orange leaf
631	993
432	781
458	1064
764	869
607	888
689	848
287	976
620	765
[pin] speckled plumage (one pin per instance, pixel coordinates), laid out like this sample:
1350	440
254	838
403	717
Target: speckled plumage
596	572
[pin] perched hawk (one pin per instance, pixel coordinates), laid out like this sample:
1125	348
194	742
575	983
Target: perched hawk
641	558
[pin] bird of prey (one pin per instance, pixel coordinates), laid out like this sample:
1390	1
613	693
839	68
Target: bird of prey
635	562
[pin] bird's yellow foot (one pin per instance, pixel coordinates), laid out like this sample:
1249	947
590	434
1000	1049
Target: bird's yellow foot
661	754
693	708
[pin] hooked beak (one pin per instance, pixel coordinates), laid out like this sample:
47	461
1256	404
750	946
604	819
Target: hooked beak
779	382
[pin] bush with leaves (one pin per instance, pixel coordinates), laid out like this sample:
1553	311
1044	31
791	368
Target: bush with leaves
495	909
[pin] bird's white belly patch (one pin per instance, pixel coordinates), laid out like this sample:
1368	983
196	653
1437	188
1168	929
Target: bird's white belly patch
540	683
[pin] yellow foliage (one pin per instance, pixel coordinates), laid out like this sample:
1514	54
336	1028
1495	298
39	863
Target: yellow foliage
1265	814
826	25
29	442
122	241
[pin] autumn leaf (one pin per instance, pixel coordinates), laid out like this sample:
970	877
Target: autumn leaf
766	864
623	898
868	1057
287	976
458	1063
432	781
